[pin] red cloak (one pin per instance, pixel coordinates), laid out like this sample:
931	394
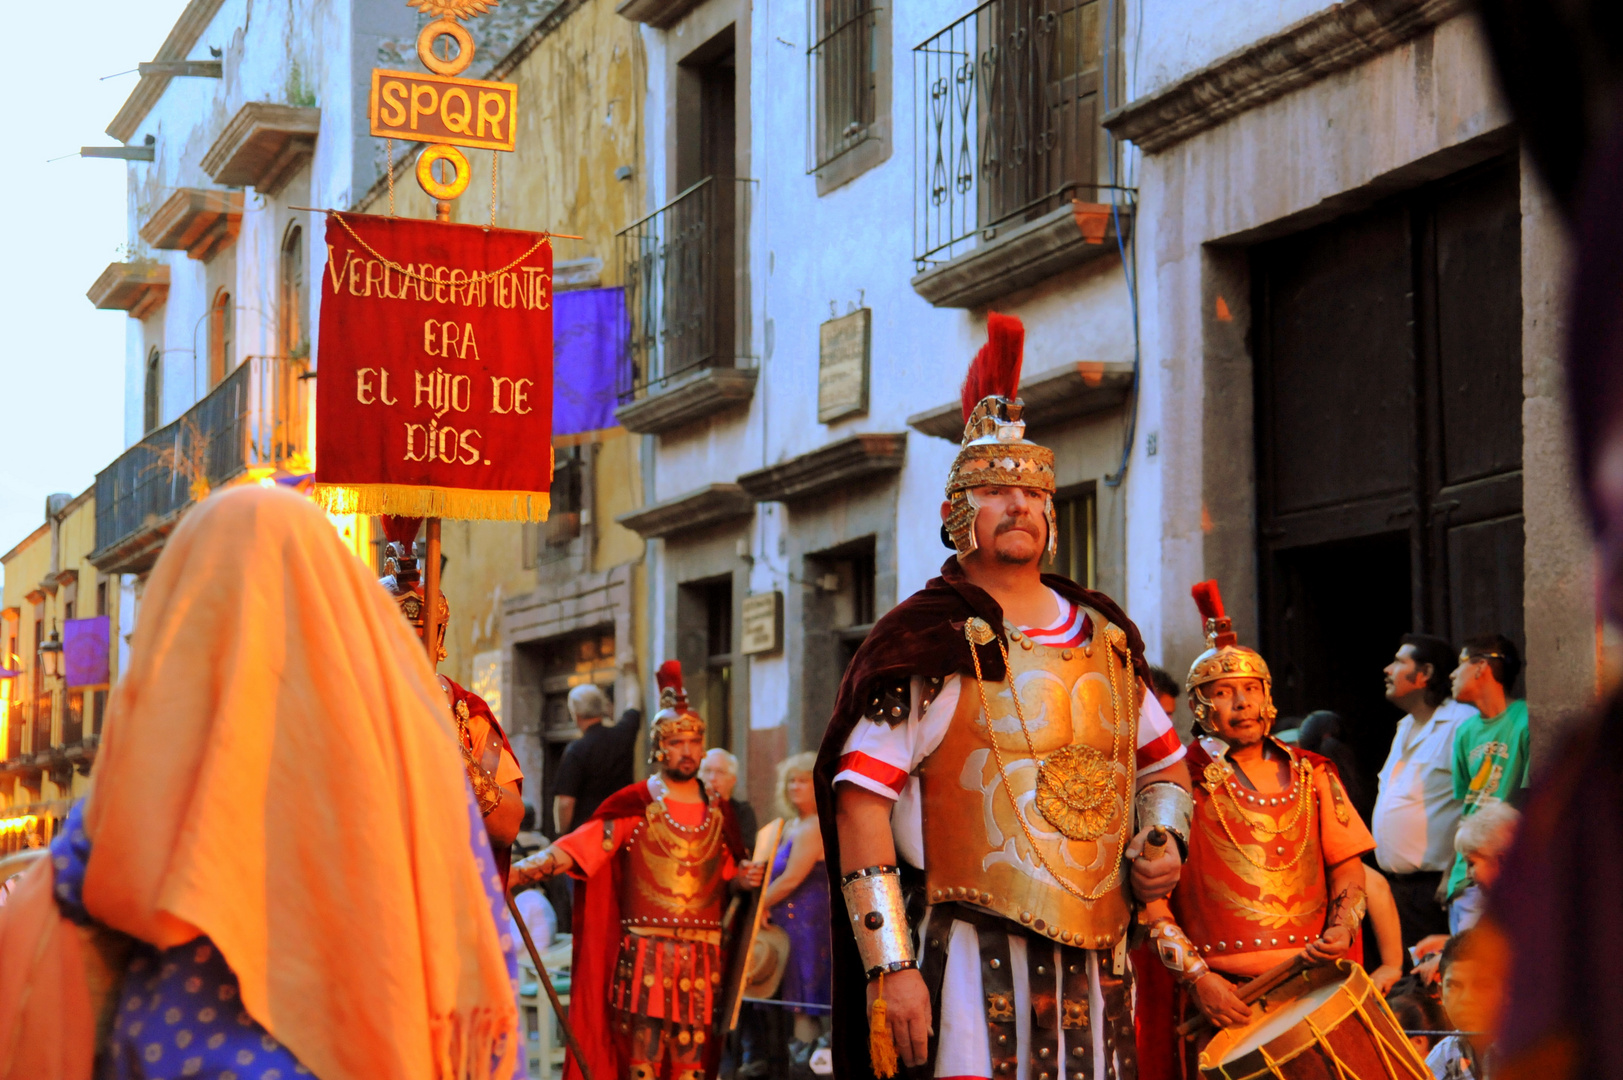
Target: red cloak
597	934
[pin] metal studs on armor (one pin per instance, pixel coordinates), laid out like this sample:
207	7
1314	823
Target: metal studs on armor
996	963
1025	916
873	920
1043	1053
1065	654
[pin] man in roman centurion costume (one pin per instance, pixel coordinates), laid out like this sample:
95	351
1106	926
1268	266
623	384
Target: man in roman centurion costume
987	845
1274	866
493	770
657	861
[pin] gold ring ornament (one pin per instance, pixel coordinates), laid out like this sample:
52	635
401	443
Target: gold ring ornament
873	900
451	156
1076	791
1167	806
994	450
1224	658
437	29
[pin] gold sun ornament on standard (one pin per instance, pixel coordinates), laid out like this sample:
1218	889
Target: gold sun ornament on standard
994	449
1224	658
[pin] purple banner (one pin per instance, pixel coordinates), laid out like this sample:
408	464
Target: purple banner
589	330
85	650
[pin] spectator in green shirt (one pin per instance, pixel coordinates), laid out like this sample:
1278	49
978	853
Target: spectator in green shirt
1490	749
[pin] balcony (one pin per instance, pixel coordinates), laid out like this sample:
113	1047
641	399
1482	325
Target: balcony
255	418
139	287
199	221
1008	151
264	146
682	268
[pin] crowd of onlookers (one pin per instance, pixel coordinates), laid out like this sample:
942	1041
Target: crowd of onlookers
1443	811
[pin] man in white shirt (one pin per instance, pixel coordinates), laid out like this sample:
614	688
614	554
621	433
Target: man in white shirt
1416	812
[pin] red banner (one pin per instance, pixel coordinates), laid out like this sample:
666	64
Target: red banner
435	392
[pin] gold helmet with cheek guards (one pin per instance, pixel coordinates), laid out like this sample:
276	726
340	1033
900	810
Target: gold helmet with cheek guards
1224	658
994	449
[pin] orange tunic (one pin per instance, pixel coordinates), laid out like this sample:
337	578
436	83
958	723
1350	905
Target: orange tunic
1254	888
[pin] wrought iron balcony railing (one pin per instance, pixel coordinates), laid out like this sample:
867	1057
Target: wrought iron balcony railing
1008	128
254	417
681	270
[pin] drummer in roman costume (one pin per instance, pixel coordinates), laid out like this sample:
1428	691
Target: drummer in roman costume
1274	864
985	845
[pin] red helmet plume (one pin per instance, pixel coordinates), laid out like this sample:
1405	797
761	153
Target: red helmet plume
996	368
669	677
1210	602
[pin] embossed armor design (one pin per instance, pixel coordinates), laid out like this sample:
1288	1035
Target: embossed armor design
671	876
1081	723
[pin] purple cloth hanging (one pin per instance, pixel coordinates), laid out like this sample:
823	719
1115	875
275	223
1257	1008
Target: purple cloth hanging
589	332
84	651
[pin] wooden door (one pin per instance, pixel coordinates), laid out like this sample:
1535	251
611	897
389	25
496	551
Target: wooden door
1388	392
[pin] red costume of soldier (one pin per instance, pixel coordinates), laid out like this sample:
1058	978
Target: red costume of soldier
488	757
1274	857
655	869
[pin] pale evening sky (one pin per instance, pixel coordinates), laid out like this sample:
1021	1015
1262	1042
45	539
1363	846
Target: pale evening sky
62	368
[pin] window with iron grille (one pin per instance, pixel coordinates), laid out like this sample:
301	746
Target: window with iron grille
843	77
1009	100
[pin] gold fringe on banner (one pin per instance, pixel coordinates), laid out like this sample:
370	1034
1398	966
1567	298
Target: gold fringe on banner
409	500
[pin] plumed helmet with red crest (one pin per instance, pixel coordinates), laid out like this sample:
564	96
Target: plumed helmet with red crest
674	717
404	581
995	449
1224	658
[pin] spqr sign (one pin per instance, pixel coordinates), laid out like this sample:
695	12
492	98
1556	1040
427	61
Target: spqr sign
441	109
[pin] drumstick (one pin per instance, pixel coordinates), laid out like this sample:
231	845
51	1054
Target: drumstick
1268	981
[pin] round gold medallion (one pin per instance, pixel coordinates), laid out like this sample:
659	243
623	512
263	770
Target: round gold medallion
1076	791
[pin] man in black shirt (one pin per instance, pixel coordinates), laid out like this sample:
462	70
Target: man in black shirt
597	764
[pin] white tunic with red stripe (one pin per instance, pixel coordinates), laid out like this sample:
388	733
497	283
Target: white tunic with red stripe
885	760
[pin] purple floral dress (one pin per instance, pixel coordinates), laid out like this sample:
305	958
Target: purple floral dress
180	1014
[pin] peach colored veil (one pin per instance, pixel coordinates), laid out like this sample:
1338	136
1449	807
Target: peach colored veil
279	772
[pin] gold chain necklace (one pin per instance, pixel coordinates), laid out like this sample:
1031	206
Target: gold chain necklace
1299	771
1003	771
1302	768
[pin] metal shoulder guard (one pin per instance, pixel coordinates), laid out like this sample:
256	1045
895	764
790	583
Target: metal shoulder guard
1169	806
873	899
889	701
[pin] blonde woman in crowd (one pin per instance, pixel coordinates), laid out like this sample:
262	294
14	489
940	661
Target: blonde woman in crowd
798	899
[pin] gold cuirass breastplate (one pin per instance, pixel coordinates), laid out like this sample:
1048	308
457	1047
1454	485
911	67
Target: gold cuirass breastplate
1071	773
671	877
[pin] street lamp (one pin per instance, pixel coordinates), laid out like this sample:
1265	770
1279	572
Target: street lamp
50	656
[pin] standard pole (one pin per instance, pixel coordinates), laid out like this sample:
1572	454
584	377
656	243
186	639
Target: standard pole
546	983
431	593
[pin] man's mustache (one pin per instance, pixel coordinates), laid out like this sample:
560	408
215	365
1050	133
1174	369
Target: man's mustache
1015	524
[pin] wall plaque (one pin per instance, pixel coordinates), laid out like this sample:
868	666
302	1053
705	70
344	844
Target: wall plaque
763	623
842	370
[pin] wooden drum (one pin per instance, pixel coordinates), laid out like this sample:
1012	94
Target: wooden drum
1328	1023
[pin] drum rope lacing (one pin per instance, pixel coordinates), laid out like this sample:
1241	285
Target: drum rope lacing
1003	772
1303	807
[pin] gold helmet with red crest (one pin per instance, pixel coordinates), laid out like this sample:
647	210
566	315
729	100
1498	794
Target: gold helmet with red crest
994	449
1224	658
674	717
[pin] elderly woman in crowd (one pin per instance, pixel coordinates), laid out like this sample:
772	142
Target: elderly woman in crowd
797	897
1482	841
280	870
